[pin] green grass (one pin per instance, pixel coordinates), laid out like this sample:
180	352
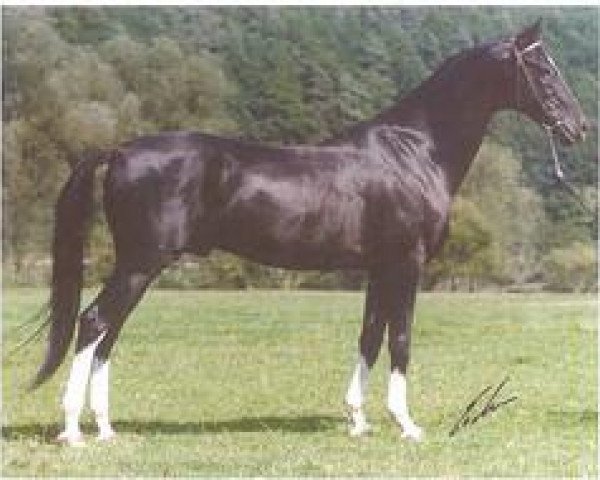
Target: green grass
252	384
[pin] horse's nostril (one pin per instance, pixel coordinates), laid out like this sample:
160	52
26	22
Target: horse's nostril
587	124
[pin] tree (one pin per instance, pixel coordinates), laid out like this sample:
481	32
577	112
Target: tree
468	254
496	232
572	268
514	211
196	85
62	99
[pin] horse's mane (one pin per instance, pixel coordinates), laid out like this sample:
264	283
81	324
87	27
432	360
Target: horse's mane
451	68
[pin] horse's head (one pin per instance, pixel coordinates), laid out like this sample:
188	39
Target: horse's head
538	89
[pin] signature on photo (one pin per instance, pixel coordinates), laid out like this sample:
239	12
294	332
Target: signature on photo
481	406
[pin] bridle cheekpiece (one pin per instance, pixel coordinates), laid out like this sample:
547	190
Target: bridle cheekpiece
522	65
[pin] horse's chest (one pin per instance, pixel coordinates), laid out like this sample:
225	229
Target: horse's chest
437	201
410	212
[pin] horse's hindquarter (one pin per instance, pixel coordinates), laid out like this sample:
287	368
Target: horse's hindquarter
152	195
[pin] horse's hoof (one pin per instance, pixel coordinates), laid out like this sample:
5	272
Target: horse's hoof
360	429
410	430
414	433
70	439
357	422
107	436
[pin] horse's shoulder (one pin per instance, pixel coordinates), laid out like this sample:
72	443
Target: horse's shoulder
395	136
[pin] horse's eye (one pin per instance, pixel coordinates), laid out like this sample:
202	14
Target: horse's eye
546	80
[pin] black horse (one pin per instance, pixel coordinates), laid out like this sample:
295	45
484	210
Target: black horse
376	197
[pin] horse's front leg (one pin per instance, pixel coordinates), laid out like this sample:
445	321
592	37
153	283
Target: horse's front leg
370	342
400	303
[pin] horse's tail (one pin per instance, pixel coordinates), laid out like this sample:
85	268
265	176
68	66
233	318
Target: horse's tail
72	219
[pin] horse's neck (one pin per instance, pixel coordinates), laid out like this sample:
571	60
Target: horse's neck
455	119
453	112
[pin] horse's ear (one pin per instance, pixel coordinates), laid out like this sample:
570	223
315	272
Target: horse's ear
529	36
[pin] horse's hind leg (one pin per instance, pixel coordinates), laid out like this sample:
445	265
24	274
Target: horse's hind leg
134	283
99	327
99	396
74	395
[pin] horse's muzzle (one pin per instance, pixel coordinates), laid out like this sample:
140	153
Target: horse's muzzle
570	132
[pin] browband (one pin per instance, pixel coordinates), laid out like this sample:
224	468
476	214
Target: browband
532	46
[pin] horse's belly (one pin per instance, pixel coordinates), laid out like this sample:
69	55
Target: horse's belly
298	258
308	240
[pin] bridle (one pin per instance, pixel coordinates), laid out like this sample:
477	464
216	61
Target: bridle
549	128
531	84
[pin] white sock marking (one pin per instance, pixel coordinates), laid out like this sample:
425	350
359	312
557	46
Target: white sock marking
398	406
358	384
99	397
355	398
74	397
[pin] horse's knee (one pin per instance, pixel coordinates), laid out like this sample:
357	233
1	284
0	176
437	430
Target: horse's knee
370	344
399	345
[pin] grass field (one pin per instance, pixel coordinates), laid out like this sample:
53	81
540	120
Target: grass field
252	384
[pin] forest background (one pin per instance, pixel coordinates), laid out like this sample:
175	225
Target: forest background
78	78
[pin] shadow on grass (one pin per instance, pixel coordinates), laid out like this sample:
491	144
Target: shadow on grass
312	423
44	431
302	424
573	416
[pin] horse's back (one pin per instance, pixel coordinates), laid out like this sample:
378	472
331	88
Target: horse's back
178	192
296	207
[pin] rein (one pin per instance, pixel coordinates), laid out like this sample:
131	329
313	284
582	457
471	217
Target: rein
560	176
